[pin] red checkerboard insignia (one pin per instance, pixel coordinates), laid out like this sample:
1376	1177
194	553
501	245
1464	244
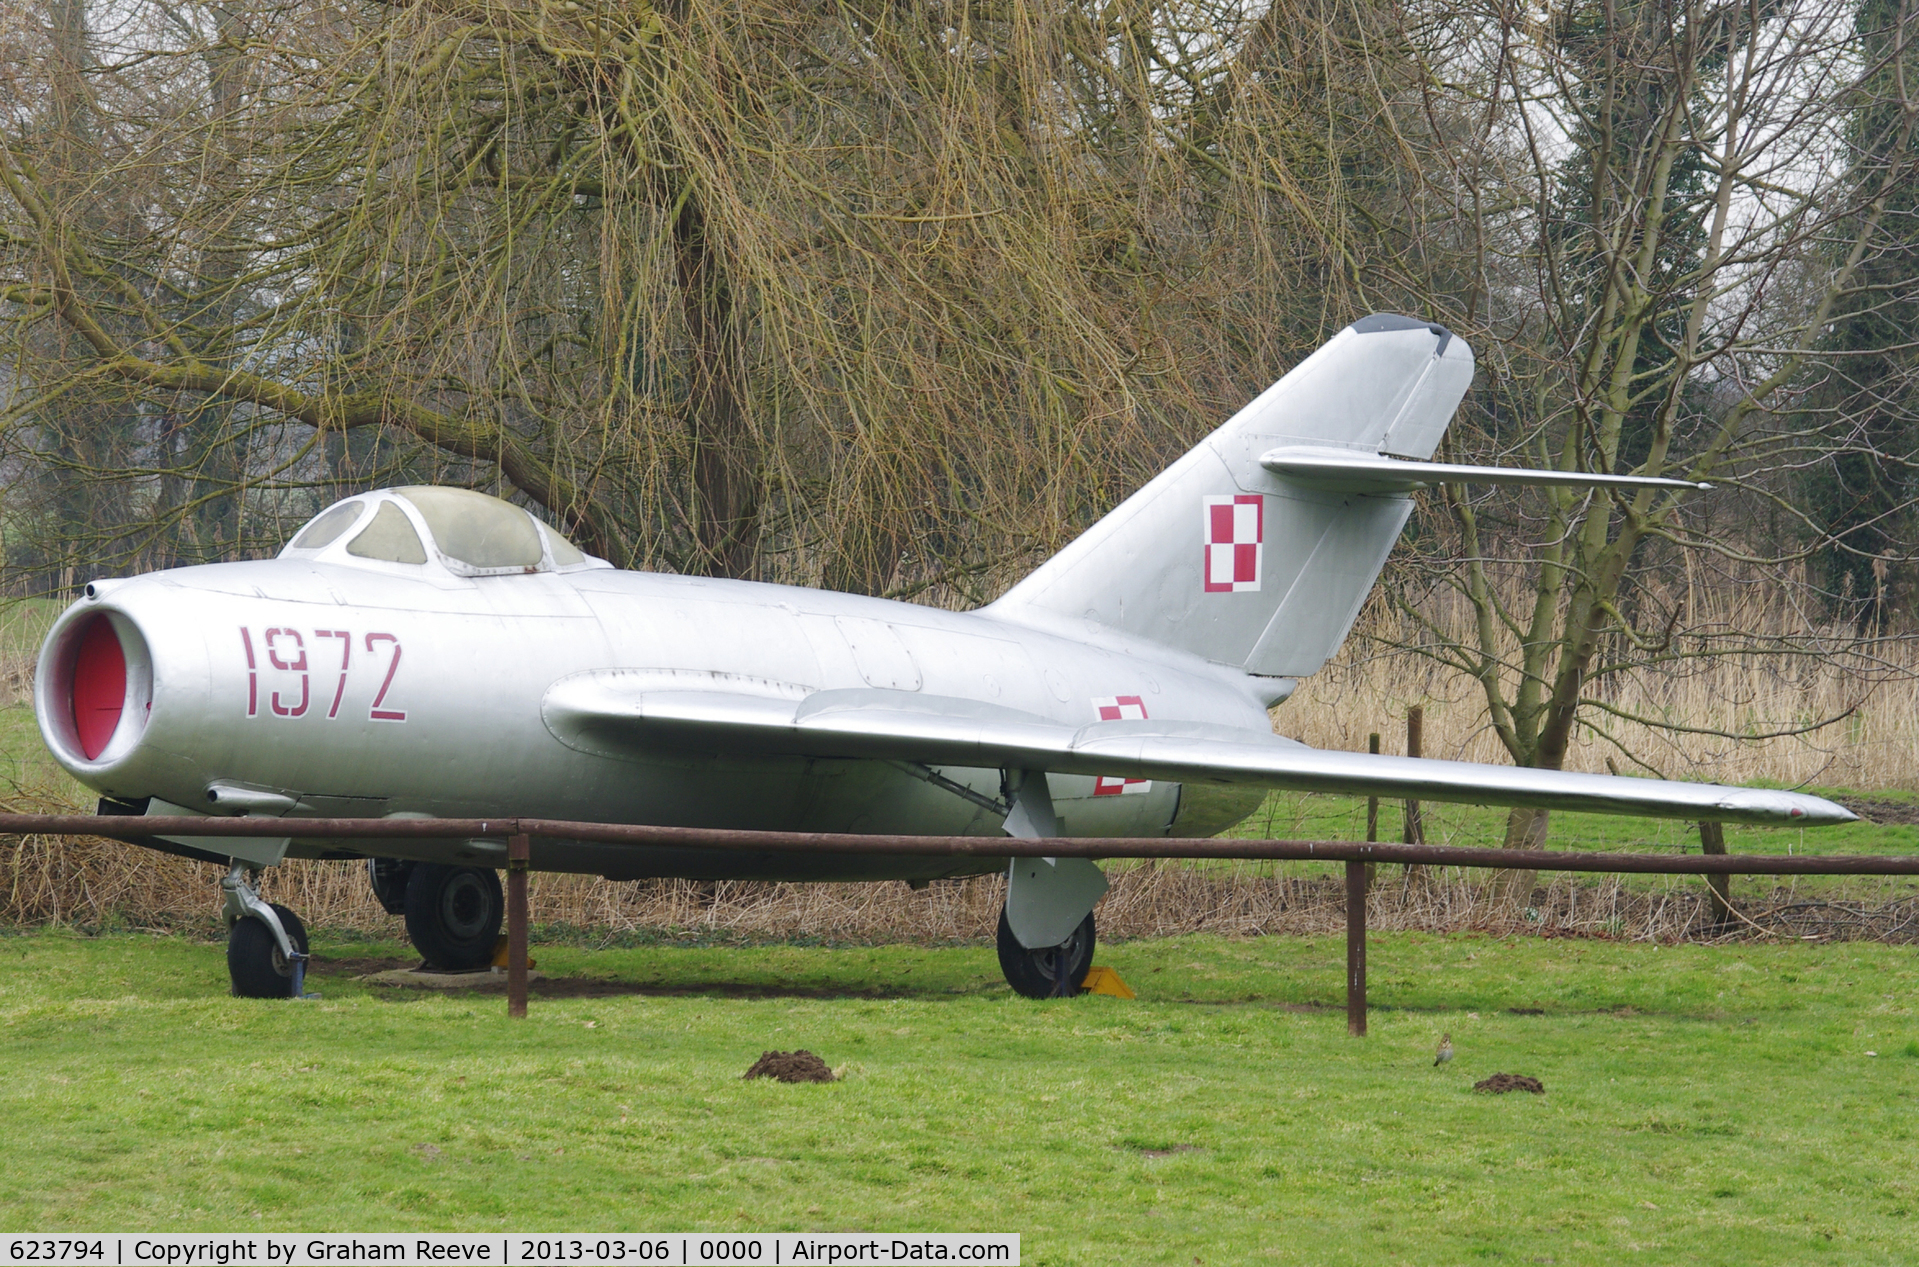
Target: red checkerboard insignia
1235	528
1120	708
1107	785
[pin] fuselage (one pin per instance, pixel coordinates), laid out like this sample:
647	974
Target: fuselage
315	688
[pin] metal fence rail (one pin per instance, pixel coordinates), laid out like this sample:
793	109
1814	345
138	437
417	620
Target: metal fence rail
126	827
520	832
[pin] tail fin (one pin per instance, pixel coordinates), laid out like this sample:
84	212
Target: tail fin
1223	558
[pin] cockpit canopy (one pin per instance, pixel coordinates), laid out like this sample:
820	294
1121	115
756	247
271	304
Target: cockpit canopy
464	532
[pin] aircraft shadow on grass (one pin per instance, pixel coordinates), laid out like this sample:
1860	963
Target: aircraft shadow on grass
325	971
339	971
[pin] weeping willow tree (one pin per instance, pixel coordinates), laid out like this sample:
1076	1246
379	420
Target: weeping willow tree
890	297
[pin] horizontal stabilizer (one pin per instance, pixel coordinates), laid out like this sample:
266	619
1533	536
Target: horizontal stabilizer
1347	471
616	716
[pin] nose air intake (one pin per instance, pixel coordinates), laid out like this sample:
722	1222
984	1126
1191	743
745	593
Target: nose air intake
93	688
99	686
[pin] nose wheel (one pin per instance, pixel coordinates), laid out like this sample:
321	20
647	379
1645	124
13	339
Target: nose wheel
1049	972
266	942
257	966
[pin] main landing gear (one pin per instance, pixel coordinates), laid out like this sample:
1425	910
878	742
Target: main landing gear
266	943
1050	972
453	914
1046	926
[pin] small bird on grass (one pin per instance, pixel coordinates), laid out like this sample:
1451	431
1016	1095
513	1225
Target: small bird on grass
1445	1052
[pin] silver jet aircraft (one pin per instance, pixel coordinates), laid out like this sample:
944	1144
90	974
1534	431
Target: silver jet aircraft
433	652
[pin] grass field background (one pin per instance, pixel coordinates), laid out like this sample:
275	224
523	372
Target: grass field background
1719	1105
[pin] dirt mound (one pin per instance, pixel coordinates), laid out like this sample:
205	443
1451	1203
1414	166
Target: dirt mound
791	1066
1501	1083
1904	813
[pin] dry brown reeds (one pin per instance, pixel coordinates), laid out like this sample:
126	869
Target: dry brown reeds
1766	688
103	884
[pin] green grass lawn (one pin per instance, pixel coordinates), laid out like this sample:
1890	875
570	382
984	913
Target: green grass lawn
1305	815
28	772
1716	1104
1309	816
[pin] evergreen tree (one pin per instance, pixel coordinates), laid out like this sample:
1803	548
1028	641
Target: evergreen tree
1861	501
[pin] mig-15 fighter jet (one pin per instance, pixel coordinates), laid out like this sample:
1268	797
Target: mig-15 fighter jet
434	652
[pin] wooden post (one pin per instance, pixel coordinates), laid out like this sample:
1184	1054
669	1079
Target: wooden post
1372	814
518	851
1414	833
1712	839
1372	802
1356	949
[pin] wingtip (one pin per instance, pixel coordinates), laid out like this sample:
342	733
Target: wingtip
1817	811
1786	809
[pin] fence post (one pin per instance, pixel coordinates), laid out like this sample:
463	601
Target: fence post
518	854
1414	833
1372	802
1356	949
1372	814
1712	839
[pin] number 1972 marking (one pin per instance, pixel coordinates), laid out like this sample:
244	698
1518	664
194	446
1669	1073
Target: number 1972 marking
286	652
386	684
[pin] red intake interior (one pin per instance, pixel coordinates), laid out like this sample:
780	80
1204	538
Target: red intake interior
99	686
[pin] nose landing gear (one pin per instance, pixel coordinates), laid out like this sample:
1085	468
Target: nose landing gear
266	942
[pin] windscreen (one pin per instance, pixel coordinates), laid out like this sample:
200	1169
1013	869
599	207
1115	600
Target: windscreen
328	526
389	537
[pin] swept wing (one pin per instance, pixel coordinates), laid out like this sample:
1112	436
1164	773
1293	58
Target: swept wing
621	713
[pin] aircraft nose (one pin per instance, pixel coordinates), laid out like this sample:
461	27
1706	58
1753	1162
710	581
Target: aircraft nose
94	688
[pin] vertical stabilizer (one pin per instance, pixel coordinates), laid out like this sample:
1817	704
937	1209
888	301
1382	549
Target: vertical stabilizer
1222	558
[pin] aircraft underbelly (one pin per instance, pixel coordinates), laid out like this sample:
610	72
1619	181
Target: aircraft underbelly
861	797
617	862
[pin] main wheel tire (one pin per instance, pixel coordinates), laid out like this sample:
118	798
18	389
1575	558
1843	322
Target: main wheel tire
453	914
389	877
1035	973
254	962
